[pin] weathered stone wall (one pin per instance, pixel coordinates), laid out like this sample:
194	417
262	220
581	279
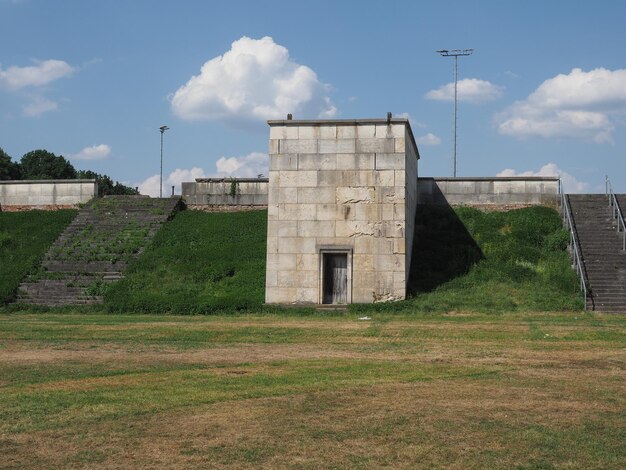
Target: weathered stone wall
217	192
45	194
489	191
339	185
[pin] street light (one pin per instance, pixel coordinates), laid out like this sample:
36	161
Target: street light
455	53
162	129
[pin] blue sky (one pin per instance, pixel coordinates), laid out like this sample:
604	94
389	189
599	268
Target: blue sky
543	93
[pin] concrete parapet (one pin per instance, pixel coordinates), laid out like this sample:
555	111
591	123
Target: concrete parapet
489	191
242	192
46	194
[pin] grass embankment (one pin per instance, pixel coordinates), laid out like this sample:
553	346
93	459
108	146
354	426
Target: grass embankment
464	259
515	390
24	239
468	259
197	263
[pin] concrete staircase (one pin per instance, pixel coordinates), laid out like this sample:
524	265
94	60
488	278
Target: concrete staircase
601	246
95	249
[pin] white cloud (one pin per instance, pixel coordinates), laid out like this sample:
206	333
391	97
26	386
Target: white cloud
428	139
95	152
468	89
38	106
580	104
42	73
255	80
248	166
570	183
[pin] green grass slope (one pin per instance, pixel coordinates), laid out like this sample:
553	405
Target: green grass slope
505	261
464	259
197	263
24	239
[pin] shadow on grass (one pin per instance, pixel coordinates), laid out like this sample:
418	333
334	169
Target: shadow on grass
443	249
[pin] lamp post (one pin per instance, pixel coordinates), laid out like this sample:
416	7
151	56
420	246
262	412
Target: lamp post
162	129
455	53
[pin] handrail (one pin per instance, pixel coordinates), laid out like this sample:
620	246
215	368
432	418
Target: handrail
616	210
577	258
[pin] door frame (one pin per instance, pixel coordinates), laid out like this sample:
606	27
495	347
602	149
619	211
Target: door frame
335	250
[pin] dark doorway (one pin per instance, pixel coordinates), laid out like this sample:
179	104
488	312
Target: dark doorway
335	278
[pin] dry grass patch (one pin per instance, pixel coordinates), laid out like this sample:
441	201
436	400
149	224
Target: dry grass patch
450	391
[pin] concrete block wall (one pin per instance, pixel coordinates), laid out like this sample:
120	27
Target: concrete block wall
217	191
489	191
43	194
340	184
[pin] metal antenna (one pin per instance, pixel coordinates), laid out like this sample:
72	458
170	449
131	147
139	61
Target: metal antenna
455	53
162	129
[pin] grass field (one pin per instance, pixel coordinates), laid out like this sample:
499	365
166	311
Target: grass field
197	263
522	390
24	239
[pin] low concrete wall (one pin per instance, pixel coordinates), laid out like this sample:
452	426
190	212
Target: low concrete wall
45	194
490	191
217	192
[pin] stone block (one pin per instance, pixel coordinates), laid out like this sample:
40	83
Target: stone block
308	132
374	145
400	178
280	295
296	179
365	131
314	228
321	195
389	263
296	245
283	132
329	212
306	295
390	131
272	244
390	195
296	212
305	261
298	279
399	246
362	263
317	161
336	146
298	146
328	132
273	146
384	177
400	145
390	161
328	178
362	295
364	195
271	279
358	161
272	262
288	228
365	244
284	161
368	212
286	262
346	132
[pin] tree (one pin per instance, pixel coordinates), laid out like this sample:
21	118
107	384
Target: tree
44	165
9	170
106	186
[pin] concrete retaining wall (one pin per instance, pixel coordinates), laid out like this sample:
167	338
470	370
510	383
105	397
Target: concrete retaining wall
489	191
45	194
217	192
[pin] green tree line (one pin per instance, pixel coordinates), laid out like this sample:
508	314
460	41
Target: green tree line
43	165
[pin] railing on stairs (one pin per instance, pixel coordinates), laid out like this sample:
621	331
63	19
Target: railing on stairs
616	210
577	260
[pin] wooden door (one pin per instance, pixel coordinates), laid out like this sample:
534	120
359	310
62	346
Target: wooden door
335	281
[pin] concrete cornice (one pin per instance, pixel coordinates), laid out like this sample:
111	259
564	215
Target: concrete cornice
46	181
347	122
